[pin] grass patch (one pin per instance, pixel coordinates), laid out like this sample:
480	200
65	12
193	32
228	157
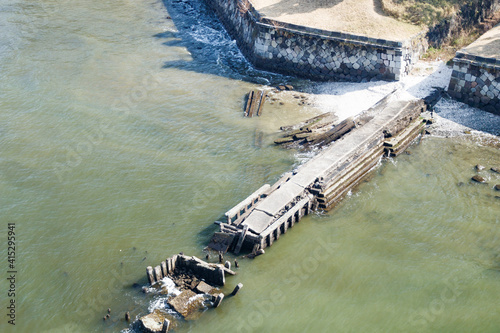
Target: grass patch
447	52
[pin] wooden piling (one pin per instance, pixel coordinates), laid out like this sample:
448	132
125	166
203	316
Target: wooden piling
255	103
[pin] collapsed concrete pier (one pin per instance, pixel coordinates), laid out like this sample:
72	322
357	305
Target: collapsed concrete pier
385	129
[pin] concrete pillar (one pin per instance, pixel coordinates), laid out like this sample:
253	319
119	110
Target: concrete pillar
157	272
166	326
169	266
164	271
237	288
174	262
218	300
149	272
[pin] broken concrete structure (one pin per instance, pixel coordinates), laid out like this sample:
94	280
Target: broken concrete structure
386	128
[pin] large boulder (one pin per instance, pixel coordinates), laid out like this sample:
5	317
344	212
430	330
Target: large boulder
479	179
204	288
187	303
154	322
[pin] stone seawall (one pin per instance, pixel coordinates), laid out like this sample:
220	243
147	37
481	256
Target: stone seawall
475	80
313	53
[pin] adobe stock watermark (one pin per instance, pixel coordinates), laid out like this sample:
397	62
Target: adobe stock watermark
121	109
449	293
297	274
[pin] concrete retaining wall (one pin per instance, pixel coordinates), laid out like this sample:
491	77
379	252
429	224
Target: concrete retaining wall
313	53
476	81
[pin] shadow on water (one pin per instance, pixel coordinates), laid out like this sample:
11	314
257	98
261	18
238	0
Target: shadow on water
212	50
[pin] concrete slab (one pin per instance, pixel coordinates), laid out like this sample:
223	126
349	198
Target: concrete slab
257	221
385	117
280	198
486	46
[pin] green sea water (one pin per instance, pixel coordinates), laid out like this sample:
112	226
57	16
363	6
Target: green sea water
122	140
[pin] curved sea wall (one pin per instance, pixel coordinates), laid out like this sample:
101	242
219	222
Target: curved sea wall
475	80
313	53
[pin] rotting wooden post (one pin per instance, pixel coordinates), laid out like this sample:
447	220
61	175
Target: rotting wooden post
149	272
249	103
261	105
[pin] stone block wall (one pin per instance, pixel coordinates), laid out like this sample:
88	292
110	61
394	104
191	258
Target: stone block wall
476	81
313	53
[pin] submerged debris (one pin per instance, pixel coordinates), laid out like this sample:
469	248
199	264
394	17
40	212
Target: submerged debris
154	322
255	103
478	179
313	131
190	284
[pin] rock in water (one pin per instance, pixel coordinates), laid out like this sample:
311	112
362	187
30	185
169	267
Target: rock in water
186	302
478	179
497	187
204	288
497	170
479	167
153	322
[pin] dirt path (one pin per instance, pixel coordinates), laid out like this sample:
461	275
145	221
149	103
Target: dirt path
363	17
